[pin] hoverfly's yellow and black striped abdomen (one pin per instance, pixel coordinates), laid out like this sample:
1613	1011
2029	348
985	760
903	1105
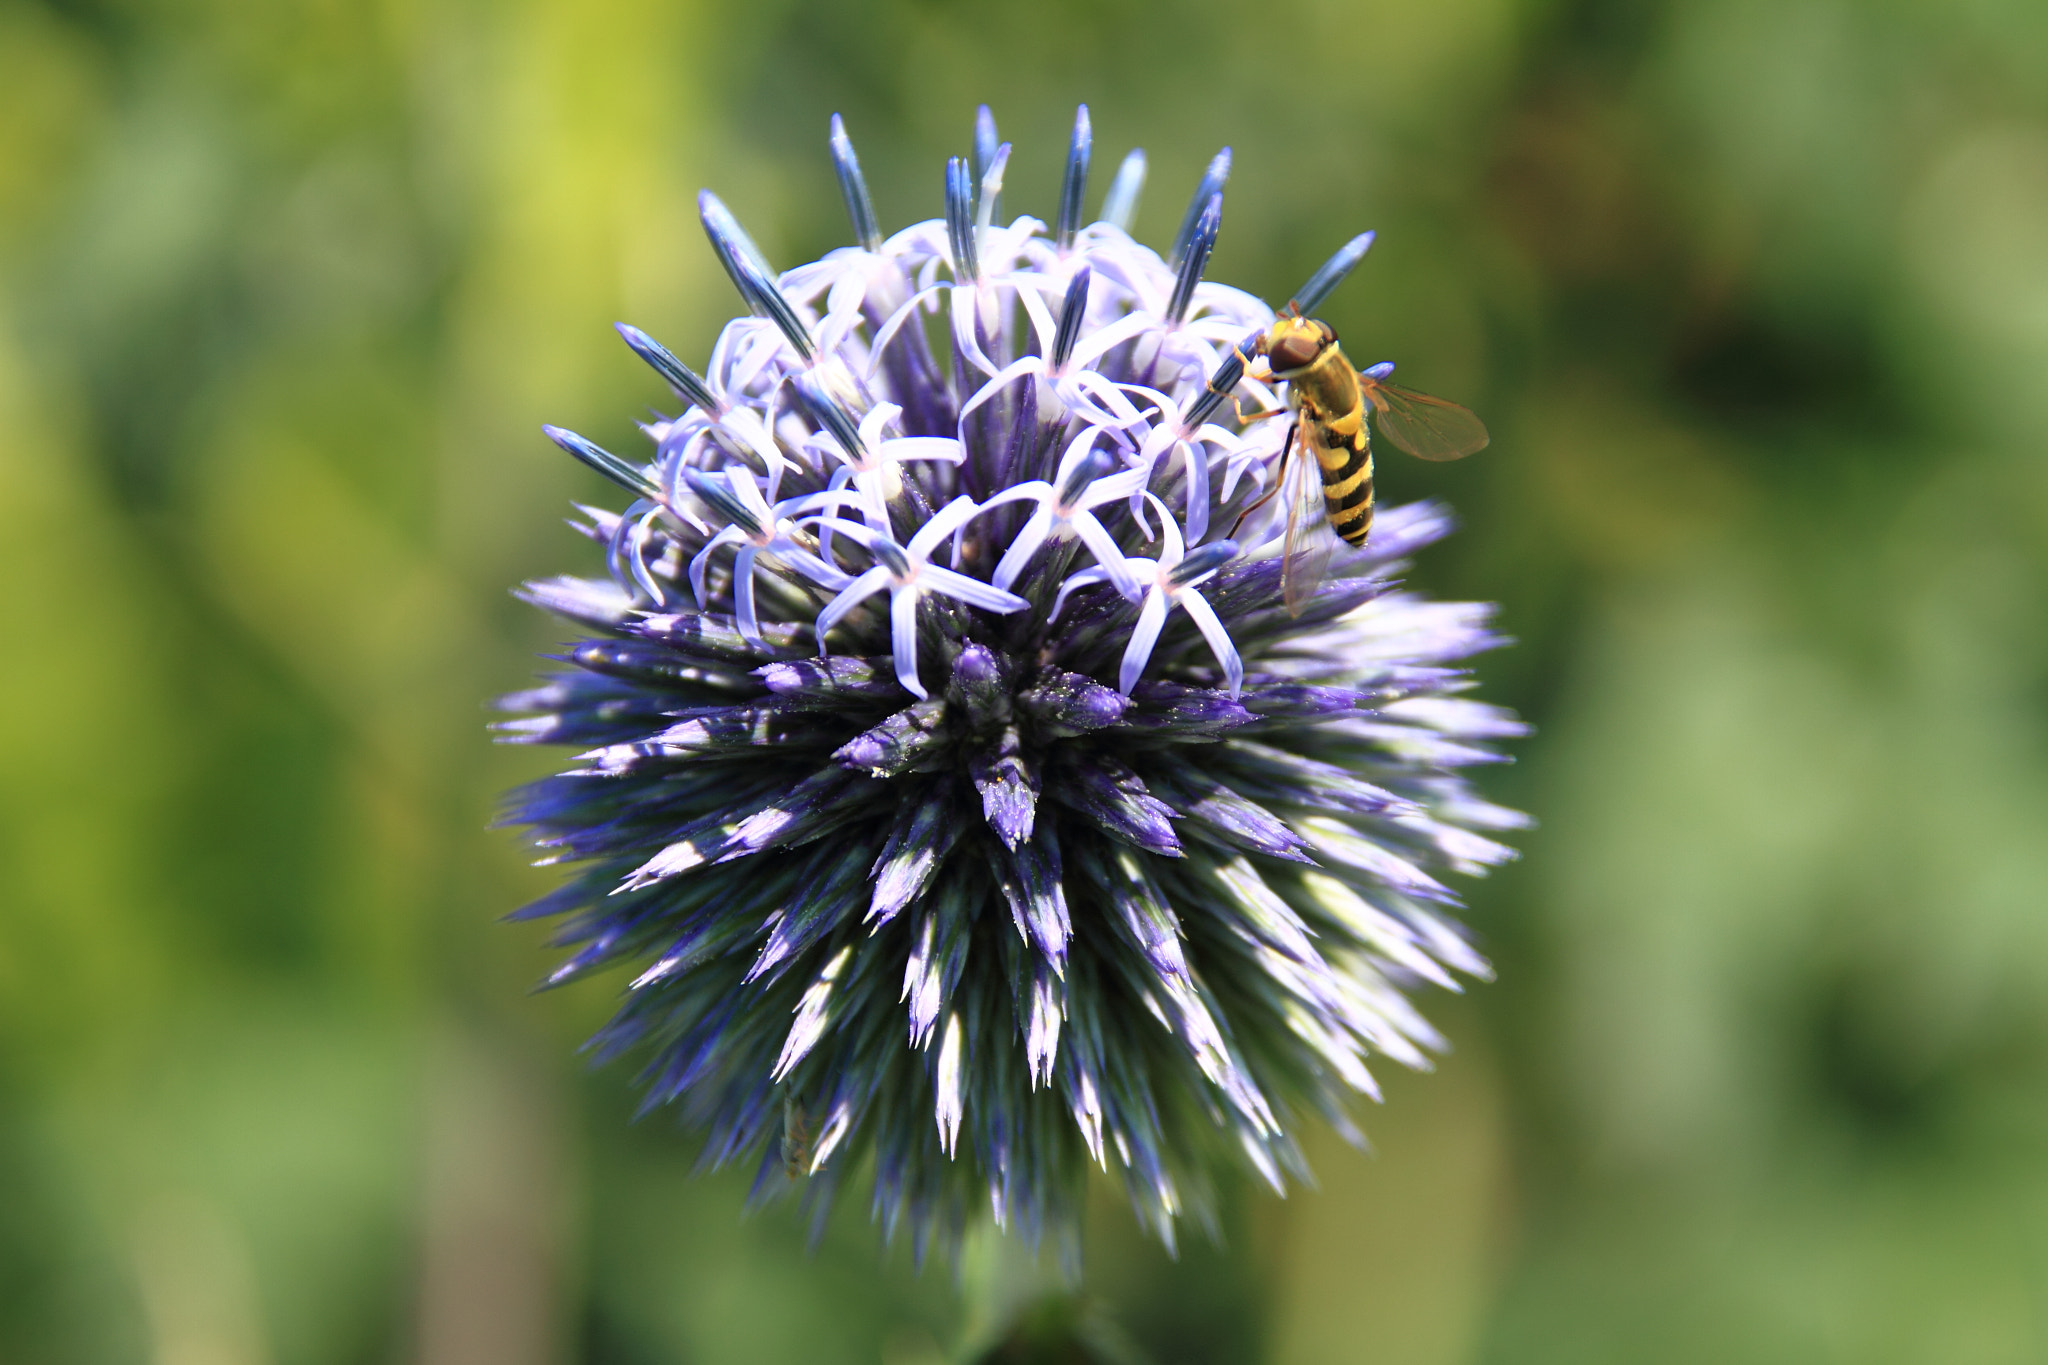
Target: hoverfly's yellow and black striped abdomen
1347	487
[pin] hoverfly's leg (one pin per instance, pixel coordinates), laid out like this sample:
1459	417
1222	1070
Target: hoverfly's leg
1279	480
1237	403
1250	360
1245	363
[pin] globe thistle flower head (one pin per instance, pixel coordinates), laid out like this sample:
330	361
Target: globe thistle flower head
970	808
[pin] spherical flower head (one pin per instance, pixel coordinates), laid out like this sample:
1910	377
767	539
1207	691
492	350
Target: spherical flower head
970	805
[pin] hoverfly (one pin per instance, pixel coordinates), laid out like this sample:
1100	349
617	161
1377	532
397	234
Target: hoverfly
1331	496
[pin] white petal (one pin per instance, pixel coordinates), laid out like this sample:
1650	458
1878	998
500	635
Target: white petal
966	310
1037	489
1196	606
879	416
1195	461
1009	374
972	591
956	513
789	509
1151	619
851	596
702	560
849	286
923	448
1084	579
1029	538
808	564
741	481
1106	552
803	282
861	535
1112	487
1160	440
991	189
743	595
888	330
1041	317
1105	339
636	554
903	639
1175	548
759	351
878	486
1109	395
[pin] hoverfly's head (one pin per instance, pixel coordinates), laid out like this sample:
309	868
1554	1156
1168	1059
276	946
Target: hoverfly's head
1293	343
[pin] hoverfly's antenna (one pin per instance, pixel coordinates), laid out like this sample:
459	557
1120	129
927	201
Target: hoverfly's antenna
1324	282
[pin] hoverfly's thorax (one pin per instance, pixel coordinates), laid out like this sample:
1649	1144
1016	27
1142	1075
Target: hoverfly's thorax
1329	385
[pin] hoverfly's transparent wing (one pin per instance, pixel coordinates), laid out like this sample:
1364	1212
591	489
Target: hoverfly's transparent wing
1426	427
1305	554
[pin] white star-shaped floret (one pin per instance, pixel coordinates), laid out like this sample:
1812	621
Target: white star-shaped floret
1068	382
871	465
1169	436
1065	508
1168	581
972	296
757	529
859	284
907	573
734	427
625	548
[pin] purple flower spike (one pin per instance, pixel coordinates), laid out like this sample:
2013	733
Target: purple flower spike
942	780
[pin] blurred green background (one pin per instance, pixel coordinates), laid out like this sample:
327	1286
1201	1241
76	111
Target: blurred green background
1755	298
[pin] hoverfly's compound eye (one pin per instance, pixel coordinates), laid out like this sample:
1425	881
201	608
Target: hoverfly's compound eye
1294	350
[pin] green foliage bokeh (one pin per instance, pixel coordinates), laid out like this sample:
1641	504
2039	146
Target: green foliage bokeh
1755	299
